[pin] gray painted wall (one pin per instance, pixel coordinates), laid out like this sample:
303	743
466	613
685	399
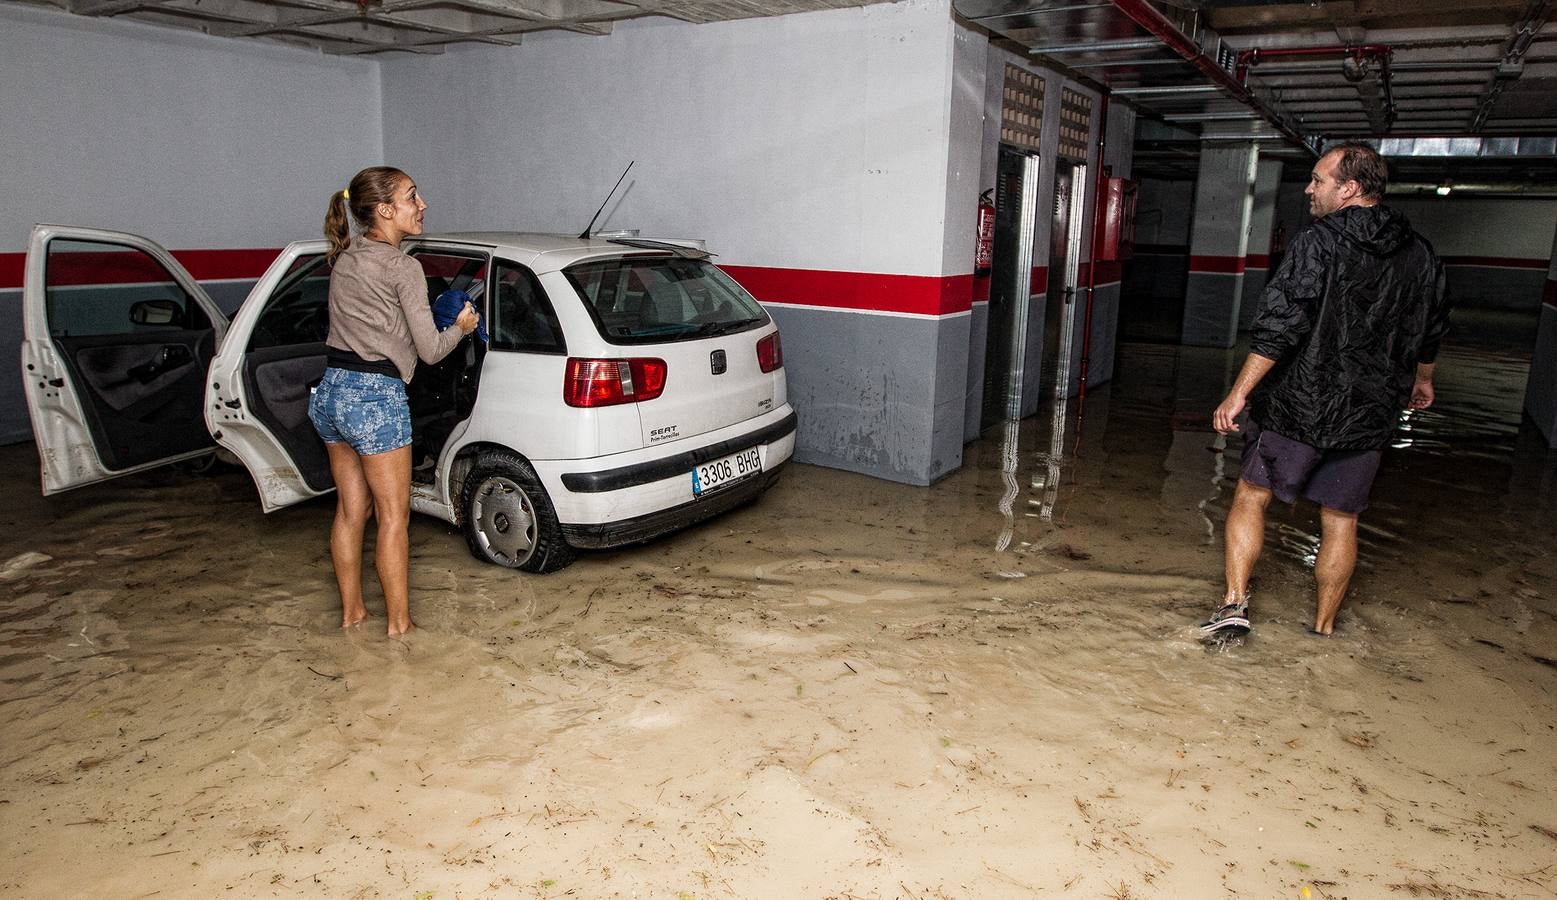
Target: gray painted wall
873	387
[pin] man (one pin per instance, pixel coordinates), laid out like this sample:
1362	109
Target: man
1346	335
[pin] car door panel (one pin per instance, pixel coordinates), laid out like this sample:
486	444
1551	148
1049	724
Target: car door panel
281	379
256	402
109	392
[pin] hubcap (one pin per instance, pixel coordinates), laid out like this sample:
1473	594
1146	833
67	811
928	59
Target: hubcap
504	520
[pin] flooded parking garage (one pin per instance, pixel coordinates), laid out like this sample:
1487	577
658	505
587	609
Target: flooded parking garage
991	687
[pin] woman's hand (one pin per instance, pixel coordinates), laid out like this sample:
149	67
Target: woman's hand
467	320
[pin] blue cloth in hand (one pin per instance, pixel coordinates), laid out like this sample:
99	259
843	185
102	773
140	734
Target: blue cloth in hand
447	308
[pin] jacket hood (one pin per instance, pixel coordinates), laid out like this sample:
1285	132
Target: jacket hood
1379	230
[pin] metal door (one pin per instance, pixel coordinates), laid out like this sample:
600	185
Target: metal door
1005	347
1064	294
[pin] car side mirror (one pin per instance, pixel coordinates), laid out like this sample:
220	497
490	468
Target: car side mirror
157	312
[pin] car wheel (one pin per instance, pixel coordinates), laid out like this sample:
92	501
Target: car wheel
509	520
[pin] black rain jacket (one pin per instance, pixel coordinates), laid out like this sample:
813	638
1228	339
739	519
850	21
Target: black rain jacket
1356	303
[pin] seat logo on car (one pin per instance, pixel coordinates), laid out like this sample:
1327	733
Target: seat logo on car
716	362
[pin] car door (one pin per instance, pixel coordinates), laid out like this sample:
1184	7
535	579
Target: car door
116	339
257	394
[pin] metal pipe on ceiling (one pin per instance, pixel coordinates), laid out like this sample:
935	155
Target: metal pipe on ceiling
1512	64
1381	114
1396	67
1099	46
1044	11
1153	21
1212	116
1359	52
1172	90
1128	62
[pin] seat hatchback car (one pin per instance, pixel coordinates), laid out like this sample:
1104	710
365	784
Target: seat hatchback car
626	388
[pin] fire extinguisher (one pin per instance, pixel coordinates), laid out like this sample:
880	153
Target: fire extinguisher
984	247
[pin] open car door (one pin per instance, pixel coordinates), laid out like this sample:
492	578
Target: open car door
116	338
257	394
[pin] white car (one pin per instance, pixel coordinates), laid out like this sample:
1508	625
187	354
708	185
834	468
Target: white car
629	387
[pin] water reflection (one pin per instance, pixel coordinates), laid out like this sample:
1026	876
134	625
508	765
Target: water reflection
1459	466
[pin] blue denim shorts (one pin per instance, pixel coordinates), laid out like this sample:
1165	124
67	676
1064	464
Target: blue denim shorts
367	410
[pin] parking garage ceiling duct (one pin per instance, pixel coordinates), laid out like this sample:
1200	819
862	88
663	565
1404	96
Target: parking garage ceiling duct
1308	72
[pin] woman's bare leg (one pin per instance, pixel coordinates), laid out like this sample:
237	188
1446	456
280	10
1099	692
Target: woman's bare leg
389	480
353	505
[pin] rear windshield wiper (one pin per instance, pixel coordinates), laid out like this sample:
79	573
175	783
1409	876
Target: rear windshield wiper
713	329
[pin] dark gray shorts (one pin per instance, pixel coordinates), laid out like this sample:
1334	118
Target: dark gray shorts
1339	479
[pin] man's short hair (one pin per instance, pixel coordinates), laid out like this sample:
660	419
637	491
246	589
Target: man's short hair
1361	163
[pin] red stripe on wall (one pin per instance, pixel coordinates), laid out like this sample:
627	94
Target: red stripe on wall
1496	262
916	294
1221	265
11	268
211	265
1109	271
130	267
1257	261
928	295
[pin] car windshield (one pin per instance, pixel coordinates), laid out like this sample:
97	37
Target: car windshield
652	299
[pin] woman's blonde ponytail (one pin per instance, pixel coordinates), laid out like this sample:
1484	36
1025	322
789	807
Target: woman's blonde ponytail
336	229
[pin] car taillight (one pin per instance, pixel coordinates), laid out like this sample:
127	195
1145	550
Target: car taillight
606	382
770	352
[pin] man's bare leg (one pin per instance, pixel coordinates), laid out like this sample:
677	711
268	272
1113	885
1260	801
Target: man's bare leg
353	506
389	478
1333	569
1245	537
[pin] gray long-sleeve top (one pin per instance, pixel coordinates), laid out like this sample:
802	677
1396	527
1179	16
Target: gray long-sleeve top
379	308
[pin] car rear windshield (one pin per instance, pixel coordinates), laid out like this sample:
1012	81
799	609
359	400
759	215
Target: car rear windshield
657	299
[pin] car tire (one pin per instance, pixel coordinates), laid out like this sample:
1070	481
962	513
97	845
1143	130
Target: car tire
508	519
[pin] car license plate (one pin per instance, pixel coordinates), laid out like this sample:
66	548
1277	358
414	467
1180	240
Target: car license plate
720	472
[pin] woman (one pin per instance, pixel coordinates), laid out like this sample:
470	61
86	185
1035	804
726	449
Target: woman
379	324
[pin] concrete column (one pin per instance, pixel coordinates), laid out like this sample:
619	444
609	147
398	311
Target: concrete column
1262	215
1541	392
1219	239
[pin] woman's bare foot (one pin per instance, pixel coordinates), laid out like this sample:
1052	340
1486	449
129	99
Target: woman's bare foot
350	617
398	628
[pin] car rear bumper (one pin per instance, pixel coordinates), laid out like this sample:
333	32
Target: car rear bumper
597	496
650	526
675	466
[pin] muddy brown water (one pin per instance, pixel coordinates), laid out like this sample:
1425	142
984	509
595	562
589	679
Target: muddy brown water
988	688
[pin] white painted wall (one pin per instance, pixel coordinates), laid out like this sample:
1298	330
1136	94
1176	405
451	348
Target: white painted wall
965	113
810	141
194	141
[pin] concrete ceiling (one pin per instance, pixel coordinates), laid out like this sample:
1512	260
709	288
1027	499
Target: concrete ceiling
419	26
1293	74
1298	75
